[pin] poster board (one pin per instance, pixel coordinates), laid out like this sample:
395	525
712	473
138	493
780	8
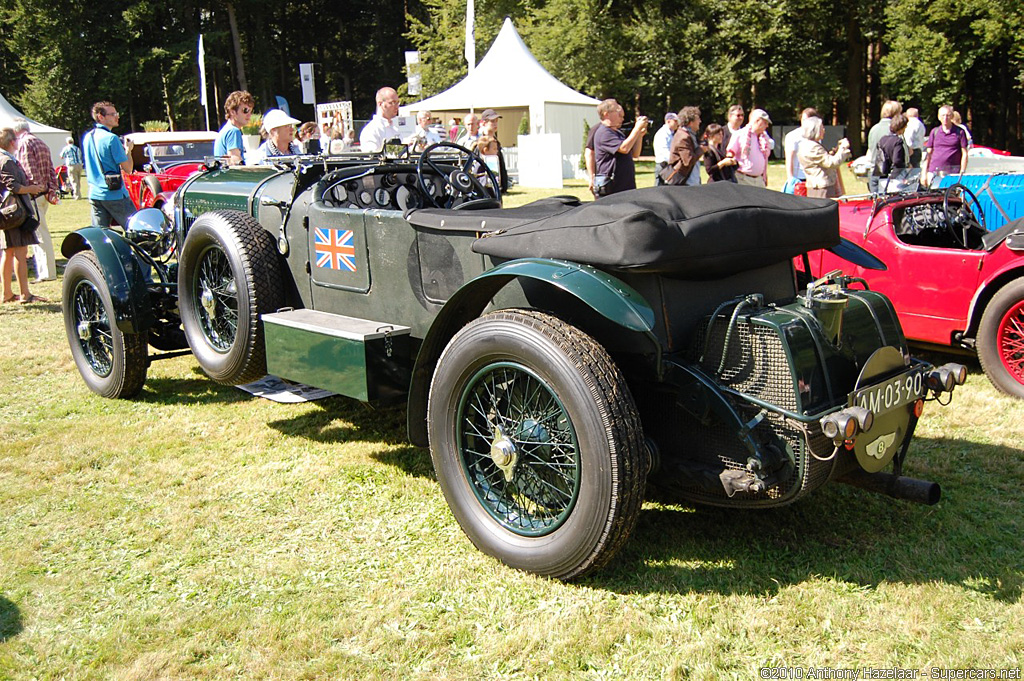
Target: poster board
334	111
540	160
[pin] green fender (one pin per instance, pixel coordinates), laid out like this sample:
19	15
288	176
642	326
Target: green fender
123	272
608	296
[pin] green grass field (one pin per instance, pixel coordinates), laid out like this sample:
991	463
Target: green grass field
200	533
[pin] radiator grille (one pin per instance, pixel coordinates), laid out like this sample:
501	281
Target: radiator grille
756	364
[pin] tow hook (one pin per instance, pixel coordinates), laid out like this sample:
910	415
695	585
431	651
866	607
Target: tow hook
748	481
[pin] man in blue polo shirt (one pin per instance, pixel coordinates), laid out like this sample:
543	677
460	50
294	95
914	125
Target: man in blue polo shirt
104	154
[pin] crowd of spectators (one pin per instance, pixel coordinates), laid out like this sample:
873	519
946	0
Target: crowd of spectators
739	153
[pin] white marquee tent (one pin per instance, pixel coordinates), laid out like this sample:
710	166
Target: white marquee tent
510	80
54	137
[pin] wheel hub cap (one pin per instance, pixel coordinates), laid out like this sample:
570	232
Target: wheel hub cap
503	453
208	302
84	330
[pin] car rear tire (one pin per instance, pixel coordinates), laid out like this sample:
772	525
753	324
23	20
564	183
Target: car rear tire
1001	339
113	364
537	443
229	274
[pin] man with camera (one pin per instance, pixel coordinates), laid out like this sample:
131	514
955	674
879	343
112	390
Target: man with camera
105	158
614	151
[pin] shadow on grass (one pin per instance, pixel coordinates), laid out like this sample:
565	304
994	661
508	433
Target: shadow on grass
970	539
342	419
198	390
10	620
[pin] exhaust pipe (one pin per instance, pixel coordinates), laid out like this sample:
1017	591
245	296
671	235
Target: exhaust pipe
896	486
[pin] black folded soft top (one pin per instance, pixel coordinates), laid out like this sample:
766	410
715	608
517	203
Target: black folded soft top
702	232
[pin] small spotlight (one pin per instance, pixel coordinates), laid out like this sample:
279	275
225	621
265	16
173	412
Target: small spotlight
959	372
839	426
865	417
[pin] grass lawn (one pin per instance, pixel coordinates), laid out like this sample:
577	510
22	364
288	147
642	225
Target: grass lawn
200	533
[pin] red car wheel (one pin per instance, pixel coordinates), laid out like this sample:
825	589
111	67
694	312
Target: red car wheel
1001	340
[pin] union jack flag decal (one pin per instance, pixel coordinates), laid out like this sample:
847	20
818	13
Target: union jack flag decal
335	249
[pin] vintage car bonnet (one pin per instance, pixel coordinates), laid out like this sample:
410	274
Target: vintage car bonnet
702	232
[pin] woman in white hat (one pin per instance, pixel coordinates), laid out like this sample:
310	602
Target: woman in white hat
280	137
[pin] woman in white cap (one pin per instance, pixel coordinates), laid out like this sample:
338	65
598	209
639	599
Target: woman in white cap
280	137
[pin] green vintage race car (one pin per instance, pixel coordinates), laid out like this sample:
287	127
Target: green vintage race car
561	360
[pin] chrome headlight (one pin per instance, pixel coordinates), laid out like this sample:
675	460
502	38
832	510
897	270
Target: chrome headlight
150	230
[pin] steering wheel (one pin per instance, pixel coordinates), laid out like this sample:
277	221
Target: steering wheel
963	217
465	181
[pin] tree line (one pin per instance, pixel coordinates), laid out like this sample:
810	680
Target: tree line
843	57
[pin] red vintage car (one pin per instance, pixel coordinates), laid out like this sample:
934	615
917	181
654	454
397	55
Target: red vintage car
954	284
163	161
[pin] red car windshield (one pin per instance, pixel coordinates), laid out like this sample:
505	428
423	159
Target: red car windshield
176	152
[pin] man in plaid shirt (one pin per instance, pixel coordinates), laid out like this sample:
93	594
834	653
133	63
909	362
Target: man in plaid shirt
34	157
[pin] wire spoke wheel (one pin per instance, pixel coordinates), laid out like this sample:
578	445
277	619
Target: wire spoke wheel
519	449
229	275
113	363
1011	341
217	299
94	337
1000	340
536	442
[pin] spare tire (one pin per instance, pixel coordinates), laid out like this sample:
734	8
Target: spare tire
229	273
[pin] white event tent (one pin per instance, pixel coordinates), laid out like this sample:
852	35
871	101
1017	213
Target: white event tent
55	138
510	80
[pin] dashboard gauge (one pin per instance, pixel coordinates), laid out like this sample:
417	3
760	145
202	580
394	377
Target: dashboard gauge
365	197
407	198
339	193
382	197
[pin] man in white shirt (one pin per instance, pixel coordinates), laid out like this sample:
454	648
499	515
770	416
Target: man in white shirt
914	136
423	136
794	173
663	145
733	123
472	131
381	127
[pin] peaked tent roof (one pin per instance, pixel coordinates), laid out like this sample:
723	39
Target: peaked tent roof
8	113
508	76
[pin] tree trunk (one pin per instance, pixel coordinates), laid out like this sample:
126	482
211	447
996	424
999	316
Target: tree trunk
855	84
167	99
237	42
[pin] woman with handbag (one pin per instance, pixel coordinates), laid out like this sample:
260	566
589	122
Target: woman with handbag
15	241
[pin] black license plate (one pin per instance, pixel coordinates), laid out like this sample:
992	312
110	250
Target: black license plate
891	393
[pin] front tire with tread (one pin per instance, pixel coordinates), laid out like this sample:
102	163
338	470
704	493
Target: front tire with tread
229	274
112	363
551	396
1001	339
